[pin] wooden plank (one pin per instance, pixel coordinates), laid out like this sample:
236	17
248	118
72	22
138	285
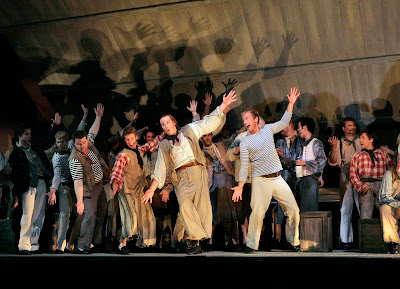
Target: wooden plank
125	48
332	27
390	87
275	26
202	34
307	89
49	73
371	18
391	23
313	28
359	78
240	35
352	28
342	87
257	32
294	23
326	101
224	45
112	61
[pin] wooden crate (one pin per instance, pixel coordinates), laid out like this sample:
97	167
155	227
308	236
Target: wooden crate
316	231
370	237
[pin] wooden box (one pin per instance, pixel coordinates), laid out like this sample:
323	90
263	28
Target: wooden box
370	237
316	231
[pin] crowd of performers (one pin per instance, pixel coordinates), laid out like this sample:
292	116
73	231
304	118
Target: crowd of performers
175	192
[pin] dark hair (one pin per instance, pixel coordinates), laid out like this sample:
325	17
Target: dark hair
348	118
79	134
370	134
20	129
129	130
307	121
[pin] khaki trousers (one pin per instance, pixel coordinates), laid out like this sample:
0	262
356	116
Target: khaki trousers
262	191
389	217
195	212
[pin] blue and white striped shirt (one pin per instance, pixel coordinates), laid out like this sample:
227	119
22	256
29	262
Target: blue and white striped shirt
259	149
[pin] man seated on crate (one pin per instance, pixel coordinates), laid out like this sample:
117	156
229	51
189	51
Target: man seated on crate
367	169
389	201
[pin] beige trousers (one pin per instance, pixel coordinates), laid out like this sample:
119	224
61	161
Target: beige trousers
195	212
262	191
389	217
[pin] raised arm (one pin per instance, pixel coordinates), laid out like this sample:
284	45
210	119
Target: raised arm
99	111
292	97
215	119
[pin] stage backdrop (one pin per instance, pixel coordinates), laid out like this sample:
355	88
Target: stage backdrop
154	56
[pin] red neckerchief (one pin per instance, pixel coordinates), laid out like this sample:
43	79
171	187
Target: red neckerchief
87	157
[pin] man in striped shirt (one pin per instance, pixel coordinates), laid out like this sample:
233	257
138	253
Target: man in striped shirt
367	169
88	169
258	148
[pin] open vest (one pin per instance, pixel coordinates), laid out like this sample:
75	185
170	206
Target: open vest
134	177
224	159
88	176
165	147
308	155
395	181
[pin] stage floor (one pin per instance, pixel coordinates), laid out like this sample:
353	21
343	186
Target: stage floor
274	267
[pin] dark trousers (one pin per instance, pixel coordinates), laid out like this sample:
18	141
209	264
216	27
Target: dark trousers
307	190
89	226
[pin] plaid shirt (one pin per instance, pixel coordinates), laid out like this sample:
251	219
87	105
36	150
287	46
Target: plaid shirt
117	174
361	167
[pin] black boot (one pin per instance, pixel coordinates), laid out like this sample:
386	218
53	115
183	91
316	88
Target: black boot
393	248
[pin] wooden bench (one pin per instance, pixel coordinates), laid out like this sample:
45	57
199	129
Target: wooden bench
330	195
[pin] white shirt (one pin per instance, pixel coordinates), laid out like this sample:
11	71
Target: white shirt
183	153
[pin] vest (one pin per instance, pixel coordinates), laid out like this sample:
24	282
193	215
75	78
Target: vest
165	147
134	178
395	182
88	176
224	159
308	155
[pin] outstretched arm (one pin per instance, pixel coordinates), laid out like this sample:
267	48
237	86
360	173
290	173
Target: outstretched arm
292	99
99	111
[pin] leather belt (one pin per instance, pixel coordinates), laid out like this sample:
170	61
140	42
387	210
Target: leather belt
192	164
369	179
273	175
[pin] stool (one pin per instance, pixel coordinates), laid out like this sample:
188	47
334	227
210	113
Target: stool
316	231
370	237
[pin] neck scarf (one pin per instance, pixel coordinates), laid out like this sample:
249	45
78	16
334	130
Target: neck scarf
139	158
173	137
353	142
308	141
87	157
371	155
